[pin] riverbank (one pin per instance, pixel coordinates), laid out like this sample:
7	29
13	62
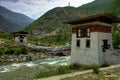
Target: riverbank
22	52
28	70
23	58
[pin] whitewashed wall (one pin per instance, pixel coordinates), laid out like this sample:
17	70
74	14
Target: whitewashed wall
83	55
94	54
17	39
25	40
103	36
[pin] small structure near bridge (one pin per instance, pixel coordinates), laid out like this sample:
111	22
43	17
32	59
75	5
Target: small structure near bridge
20	36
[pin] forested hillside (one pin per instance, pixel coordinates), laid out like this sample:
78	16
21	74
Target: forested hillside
51	22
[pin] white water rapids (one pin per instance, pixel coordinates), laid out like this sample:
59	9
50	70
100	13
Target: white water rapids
50	61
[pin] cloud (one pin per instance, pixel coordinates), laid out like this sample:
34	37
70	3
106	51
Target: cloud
50	0
9	0
36	8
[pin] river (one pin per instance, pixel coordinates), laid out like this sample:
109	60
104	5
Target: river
27	70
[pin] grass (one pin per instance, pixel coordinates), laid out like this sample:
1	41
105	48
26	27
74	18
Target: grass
23	73
51	72
59	70
56	40
112	74
30	73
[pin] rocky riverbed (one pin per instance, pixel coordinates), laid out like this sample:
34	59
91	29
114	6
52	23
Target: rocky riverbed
30	52
31	56
23	58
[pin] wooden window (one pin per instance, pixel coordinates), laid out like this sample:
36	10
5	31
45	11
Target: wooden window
78	43
83	32
87	43
105	44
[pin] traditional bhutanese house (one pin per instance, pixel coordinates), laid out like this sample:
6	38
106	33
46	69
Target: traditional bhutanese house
91	38
20	36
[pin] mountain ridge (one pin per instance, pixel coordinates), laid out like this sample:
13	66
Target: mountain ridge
14	21
5	25
53	19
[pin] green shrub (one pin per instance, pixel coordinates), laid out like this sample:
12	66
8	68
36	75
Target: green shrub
23	50
44	74
1	52
116	39
10	51
59	70
95	68
20	50
6	36
62	70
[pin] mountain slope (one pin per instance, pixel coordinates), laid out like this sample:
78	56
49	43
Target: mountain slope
95	7
115	8
15	18
52	20
8	26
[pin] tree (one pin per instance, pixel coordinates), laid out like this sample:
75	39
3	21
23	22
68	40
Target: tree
116	39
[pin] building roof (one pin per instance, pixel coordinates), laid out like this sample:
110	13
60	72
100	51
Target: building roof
106	17
19	32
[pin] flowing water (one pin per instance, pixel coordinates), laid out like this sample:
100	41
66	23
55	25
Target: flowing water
27	70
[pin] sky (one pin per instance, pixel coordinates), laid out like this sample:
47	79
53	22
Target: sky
36	8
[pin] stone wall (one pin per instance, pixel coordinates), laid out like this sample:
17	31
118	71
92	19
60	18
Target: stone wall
112	57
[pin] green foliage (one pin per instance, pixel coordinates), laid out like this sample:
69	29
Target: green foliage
5	36
44	74
115	7
95	68
57	40
10	51
62	70
1	52
17	51
20	50
58	71
116	39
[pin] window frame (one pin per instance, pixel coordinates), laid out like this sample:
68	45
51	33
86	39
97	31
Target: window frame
88	43
81	32
78	43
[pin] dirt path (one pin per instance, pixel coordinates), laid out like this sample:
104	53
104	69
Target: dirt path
59	77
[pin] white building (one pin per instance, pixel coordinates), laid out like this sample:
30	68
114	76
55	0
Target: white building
20	36
91	38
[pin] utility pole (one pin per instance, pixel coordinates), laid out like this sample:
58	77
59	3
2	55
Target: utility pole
69	4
